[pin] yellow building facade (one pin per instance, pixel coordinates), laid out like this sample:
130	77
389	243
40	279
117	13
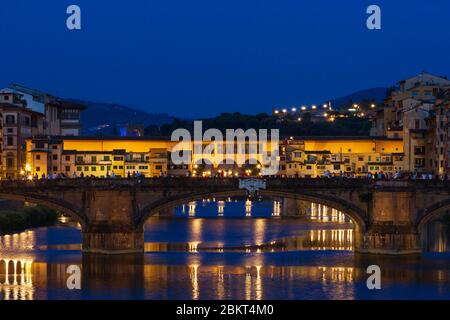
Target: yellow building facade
313	157
152	157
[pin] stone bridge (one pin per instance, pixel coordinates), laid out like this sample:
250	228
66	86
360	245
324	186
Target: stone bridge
389	216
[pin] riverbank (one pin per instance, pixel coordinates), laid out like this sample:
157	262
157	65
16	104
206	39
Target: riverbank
27	217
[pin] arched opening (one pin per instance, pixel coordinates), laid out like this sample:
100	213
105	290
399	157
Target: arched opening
341	224
203	168
38	221
227	168
433	226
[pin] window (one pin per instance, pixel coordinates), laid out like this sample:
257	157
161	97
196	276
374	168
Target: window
360	158
115	167
102	168
297	154
38	157
10	119
106	158
86	168
54	147
79	168
55	168
9	141
67	168
417	124
79	159
55	157
10	130
67	158
38	169
337	167
118	158
9	162
70	114
94	159
26	121
94	168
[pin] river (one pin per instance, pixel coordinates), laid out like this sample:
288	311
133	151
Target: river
229	249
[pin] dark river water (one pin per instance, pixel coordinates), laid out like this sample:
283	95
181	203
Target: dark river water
230	250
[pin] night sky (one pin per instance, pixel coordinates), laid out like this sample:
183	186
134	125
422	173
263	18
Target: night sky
201	57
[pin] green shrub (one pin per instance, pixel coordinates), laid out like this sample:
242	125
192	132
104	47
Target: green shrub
27	217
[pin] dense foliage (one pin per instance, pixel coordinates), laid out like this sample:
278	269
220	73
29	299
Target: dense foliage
27	217
288	127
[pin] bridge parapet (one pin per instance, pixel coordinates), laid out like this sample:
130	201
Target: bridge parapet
112	211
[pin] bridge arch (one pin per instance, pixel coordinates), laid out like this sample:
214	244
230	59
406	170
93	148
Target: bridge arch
431	212
356	214
56	204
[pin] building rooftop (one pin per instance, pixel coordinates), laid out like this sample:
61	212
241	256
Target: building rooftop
337	138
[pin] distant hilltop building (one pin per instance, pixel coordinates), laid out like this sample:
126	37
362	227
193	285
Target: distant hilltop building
26	113
131	130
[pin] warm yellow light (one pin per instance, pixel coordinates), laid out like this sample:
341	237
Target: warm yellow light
276	111
28	167
284	110
314	107
303	108
325	114
372	106
294	109
22	172
299	119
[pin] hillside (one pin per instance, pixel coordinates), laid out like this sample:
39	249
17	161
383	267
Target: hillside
373	94
105	118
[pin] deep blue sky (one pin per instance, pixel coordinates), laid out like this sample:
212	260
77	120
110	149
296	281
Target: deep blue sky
201	57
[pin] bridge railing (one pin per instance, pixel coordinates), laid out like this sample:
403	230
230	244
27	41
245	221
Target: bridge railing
189	182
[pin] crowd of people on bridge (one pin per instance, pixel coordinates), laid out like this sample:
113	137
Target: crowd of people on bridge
327	175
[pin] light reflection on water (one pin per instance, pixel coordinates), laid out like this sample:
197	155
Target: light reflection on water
223	258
